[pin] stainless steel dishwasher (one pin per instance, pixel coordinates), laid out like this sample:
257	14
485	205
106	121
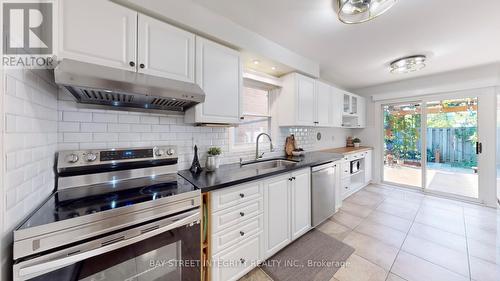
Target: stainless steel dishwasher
323	192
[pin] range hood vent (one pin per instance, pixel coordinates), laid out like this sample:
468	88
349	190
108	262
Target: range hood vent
95	84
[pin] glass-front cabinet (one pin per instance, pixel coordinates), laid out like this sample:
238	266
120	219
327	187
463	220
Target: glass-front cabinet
350	104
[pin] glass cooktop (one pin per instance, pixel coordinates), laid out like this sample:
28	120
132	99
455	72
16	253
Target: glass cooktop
82	201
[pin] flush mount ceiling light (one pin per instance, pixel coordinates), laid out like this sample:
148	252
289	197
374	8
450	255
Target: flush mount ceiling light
408	64
358	11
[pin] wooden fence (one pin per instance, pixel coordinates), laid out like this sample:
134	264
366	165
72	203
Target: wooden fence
454	144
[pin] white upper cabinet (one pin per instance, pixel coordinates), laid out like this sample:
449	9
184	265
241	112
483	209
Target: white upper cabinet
337	107
219	74
305	100
361	112
99	32
165	50
324	109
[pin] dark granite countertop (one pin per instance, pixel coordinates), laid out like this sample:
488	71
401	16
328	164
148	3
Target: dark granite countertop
233	174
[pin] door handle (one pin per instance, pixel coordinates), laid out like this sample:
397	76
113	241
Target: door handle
479	148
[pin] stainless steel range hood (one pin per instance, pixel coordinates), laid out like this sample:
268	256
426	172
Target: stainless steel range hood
95	84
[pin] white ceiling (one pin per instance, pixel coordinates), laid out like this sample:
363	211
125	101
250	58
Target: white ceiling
454	34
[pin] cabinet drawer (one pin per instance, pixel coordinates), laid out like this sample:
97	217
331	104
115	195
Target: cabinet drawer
345	185
236	262
345	169
234	215
235	195
233	235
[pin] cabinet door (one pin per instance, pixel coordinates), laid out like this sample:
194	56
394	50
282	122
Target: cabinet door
219	74
301	203
165	50
354	105
368	166
276	214
323	104
346	103
99	32
361	112
337	107
305	100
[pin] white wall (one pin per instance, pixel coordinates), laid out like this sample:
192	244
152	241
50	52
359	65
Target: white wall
30	134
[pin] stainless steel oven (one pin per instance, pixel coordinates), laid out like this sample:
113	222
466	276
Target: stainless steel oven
116	226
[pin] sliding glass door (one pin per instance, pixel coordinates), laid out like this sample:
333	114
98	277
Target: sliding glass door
433	144
403	143
451	146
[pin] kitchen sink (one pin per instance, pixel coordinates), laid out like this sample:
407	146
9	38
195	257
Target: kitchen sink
270	163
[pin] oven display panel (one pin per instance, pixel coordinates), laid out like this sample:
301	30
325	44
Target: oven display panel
113	155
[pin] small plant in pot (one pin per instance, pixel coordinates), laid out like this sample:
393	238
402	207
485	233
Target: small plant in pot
213	159
356	142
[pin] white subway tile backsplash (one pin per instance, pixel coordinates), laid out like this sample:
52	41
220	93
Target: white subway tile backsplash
105	137
129	118
129	137
118	128
160	128
140	128
68	127
77	137
145	119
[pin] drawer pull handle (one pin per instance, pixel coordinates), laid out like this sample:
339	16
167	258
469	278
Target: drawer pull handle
242	233
242	260
293	178
242	214
346	187
242	195
290	179
345	171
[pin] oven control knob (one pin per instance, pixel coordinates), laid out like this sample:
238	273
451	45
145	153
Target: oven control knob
91	157
170	151
159	152
72	158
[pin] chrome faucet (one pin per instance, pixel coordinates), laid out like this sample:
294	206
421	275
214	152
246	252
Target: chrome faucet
257	155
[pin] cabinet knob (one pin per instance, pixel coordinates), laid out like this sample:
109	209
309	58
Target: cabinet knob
142	65
242	195
293	178
242	233
346	187
290	179
242	214
132	63
242	260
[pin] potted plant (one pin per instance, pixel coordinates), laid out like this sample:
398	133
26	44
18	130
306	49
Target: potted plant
213	159
356	142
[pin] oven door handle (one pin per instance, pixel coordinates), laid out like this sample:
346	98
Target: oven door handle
56	263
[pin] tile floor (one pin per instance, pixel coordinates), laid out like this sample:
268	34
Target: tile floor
401	235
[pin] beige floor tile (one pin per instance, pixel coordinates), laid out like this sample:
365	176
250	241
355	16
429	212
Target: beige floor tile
406	196
486	223
487	236
366	198
334	229
413	268
396	210
346	219
256	274
355	209
372	249
379	189
360	269
432	202
390	221
482	270
484	251
442	219
383	233
394	277
403	203
441	237
450	259
481	211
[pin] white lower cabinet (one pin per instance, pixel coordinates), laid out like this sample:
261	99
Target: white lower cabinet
287	209
253	221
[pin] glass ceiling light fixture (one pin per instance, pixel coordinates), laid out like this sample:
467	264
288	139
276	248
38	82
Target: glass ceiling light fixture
408	64
358	11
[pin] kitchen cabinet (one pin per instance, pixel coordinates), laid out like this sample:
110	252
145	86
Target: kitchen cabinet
99	32
336	107
361	112
296	101
353	111
287	209
165	50
301	203
324	105
368	166
276	214
219	74
105	33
